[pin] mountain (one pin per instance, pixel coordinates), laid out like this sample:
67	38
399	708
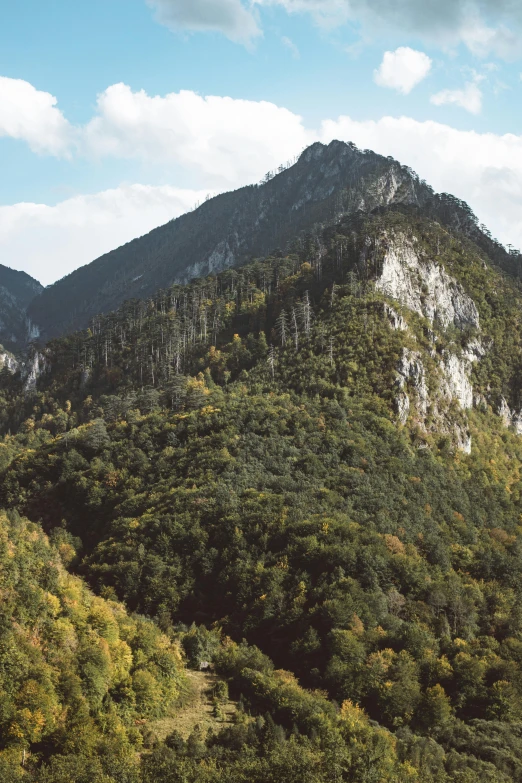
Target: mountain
306	469
17	290
327	181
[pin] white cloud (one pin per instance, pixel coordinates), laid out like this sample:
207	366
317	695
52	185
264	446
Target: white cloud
229	17
402	69
49	242
291	46
483	40
469	97
31	115
229	141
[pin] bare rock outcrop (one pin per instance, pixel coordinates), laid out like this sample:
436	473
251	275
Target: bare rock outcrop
424	286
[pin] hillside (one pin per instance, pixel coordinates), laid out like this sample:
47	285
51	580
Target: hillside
318	453
77	673
17	290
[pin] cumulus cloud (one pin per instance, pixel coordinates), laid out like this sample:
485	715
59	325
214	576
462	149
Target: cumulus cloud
469	97
227	140
402	69
49	242
229	17
31	115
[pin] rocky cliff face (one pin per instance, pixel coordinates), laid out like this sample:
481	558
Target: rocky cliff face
421	285
511	418
7	361
31	370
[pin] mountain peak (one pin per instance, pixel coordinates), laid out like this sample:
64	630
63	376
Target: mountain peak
326	182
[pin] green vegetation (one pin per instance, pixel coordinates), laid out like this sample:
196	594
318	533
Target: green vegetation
225	458
77	673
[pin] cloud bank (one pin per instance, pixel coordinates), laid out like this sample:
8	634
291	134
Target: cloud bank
485	27
49	242
228	140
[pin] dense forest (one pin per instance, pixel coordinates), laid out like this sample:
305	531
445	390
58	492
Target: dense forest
224	465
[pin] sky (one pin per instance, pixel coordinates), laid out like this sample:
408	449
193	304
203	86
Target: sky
118	115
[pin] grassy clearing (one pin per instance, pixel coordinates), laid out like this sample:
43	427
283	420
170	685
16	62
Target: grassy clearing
194	709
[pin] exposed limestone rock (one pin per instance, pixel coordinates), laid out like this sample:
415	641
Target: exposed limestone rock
402	402
463	439
397	322
32	371
456	373
479	401
222	257
474	351
411	374
33	331
424	286
8	360
456	383
510	418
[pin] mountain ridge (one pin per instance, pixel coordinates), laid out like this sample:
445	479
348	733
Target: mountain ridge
326	182
229	229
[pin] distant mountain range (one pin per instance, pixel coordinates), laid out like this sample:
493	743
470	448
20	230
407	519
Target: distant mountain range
326	183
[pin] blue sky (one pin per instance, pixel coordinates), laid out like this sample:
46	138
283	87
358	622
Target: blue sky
107	128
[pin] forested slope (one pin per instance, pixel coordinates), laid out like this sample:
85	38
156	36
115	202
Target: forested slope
77	673
319	454
17	290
